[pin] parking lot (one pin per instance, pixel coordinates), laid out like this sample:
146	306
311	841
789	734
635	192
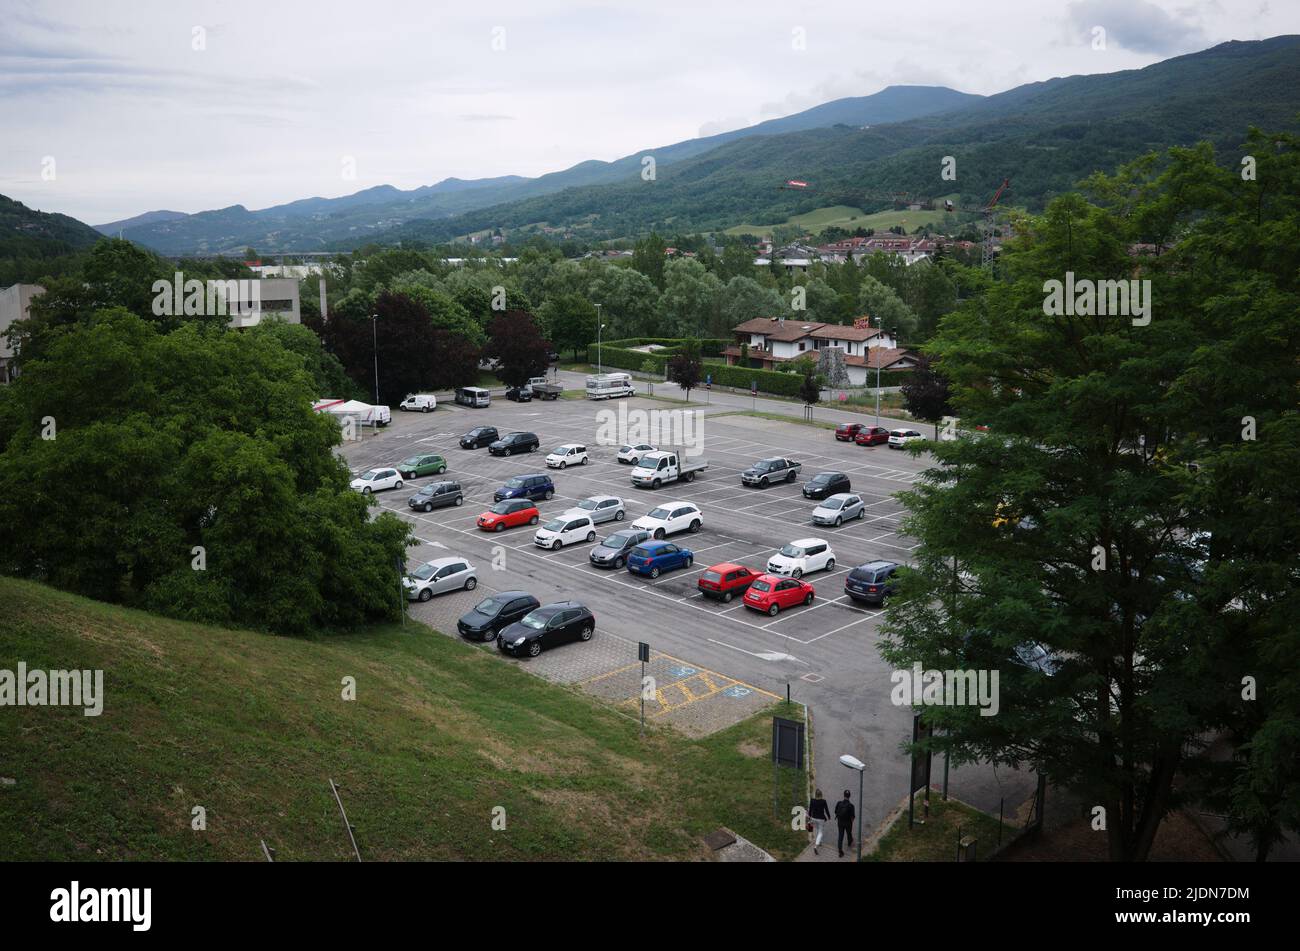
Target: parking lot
713	664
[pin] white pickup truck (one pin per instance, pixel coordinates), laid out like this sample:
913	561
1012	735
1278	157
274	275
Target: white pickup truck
659	468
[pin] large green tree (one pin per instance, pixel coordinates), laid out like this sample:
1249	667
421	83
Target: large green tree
1122	545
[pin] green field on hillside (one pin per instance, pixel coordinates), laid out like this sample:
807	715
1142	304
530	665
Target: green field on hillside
850	218
251	727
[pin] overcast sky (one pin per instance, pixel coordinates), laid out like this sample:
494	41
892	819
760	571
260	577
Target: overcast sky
149	104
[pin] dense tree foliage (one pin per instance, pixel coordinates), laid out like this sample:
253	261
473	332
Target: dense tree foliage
517	341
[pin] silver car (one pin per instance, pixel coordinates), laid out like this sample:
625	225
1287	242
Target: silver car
601	508
438	577
837	509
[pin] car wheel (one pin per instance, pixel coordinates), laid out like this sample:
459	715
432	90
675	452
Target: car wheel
695	525
585	460
809	598
591	536
790	476
532	448
689	561
549	494
398	485
830	564
441	470
471	583
654	484
428	506
774	610
618	516
557	545
838	521
585	633
797	574
460	500
365	490
426	409
534	648
862	513
690	477
425	594
654	572
764	483
727	596
561	465
659	534
533	520
500	527
619	563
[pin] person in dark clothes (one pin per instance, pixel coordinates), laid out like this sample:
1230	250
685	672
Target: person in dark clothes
818	811
844	816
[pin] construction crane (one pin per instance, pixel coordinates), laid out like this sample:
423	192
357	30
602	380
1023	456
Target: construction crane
987	212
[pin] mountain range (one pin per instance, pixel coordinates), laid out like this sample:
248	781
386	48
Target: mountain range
1044	136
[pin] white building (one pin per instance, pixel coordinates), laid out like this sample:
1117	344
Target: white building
775	340
15	304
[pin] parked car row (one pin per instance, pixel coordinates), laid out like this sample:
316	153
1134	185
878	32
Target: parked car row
865	435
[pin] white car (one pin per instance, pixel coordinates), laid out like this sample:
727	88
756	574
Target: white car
838	509
419	403
899	438
601	508
570	454
633	454
671	517
568	529
438	577
375	479
802	557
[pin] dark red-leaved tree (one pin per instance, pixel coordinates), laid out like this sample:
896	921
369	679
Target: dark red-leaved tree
516	339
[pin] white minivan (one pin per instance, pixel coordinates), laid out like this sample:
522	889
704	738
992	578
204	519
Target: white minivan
570	454
419	403
569	529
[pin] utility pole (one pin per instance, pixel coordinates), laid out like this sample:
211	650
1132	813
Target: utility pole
374	343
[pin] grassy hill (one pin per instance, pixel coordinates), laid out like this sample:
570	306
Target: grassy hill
849	217
252	726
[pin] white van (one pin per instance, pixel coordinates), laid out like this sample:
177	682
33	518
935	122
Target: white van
474	396
606	386
419	403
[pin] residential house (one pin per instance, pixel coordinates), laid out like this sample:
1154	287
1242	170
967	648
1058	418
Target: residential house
776	340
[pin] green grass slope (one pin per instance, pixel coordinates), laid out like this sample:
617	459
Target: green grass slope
252	727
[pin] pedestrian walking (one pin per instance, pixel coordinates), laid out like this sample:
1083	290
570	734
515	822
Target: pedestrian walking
818	811
844	816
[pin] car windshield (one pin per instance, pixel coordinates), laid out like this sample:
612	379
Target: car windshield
820	479
424	572
588	504
659	513
536	620
413	461
764	466
515	484
617	540
488	606
712	576
428	489
792	551
832	503
501	508
761	586
641	552
369	476
554	525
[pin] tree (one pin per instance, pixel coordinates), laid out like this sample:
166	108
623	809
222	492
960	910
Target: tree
327	373
685	368
926	394
570	322
455	361
689	301
1125	595
648	258
737	261
628	302
885	307
743	298
516	340
401	341
217	497
810	388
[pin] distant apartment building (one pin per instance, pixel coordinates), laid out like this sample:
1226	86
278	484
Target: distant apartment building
15	304
275	297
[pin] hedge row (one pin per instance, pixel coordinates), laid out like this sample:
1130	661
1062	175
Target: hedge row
769	381
709	346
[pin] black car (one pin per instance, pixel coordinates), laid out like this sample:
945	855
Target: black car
872	582
479	437
519	394
546	627
511	443
435	495
535	487
825	484
612	551
492	614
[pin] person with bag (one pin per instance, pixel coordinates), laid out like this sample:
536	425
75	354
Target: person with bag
818	811
844	816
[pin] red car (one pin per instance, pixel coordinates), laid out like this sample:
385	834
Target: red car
872	436
726	580
846	432
507	514
771	593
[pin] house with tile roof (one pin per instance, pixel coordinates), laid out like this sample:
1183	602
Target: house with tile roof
775	340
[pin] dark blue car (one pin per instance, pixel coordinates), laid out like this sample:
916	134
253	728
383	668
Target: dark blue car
651	558
535	487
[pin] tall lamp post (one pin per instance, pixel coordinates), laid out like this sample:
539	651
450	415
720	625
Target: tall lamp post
374	343
599	328
852	762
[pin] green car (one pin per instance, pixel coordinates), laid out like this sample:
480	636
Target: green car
429	464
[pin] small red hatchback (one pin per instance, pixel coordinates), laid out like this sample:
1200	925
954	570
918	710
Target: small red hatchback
845	432
872	436
726	580
770	593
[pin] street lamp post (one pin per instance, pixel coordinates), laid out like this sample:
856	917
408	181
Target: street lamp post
374	343
852	762
599	328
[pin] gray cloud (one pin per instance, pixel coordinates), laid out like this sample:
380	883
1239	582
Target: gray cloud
1138	25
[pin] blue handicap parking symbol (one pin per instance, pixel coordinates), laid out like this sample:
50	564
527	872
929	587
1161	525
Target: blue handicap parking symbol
737	691
681	671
